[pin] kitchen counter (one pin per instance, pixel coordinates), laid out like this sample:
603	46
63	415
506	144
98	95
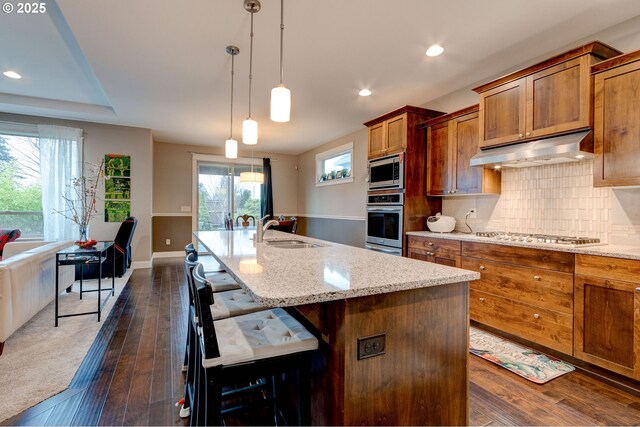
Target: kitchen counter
393	331
615	251
280	277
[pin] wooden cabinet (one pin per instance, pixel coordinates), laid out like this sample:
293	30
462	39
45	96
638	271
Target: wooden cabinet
397	130
523	291
452	140
616	125
552	97
607	313
439	251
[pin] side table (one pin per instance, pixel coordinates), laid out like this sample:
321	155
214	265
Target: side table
74	255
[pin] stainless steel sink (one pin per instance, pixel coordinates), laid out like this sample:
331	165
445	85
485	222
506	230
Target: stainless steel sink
293	244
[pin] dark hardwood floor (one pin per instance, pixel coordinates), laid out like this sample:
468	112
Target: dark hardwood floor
132	375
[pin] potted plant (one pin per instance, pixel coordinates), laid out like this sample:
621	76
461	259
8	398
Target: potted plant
345	172
332	175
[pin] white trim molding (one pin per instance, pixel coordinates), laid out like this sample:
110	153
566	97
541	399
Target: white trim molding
170	254
172	214
343	217
140	264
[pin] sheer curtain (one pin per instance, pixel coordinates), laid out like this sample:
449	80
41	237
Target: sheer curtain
60	161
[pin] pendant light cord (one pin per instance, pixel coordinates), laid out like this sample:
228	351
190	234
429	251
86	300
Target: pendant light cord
231	121
281	38
251	59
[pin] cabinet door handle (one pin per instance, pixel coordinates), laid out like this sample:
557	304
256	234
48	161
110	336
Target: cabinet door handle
520	135
482	267
536	277
431	254
430	243
528	133
536	316
481	299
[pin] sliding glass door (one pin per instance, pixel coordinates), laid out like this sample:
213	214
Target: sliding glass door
220	192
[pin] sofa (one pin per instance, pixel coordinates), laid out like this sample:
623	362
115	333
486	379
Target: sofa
27	282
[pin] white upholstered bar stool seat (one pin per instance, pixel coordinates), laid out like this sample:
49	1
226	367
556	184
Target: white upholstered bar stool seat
233	303
220	282
261	335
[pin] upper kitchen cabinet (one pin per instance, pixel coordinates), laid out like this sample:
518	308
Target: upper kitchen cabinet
452	140
397	130
616	122
552	97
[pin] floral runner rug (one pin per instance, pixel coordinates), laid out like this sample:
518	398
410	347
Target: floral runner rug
524	361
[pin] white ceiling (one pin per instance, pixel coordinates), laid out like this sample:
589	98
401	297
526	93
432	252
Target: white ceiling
161	64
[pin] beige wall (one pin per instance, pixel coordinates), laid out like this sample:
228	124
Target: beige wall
334	200
172	180
172	188
102	139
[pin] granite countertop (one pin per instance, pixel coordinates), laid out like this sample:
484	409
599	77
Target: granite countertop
615	251
287	277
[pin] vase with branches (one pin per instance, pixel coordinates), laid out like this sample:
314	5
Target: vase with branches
81	198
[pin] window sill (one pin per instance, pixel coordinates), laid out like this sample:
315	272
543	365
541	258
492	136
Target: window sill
334	182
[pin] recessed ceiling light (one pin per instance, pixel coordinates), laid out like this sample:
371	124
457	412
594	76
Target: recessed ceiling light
12	74
580	156
497	167
364	92
435	50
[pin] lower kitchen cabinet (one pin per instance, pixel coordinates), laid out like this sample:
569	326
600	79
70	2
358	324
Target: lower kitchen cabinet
439	251
607	313
534	323
522	291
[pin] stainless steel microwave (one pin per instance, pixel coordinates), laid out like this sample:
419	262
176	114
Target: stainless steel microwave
387	172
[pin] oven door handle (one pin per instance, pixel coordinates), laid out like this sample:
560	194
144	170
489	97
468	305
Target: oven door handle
386	251
384	209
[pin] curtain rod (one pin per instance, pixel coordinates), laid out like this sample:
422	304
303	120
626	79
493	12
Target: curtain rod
275	159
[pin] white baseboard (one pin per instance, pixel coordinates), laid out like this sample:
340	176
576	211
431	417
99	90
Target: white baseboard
140	264
172	254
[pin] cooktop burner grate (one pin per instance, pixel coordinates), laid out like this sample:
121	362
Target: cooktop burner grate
540	238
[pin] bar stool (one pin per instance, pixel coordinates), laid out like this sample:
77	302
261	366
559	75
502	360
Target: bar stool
209	262
221	305
266	344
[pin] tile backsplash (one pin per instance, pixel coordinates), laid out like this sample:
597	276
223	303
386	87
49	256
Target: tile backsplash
555	199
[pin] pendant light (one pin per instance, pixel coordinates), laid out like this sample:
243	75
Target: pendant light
250	126
257	177
280	95
231	145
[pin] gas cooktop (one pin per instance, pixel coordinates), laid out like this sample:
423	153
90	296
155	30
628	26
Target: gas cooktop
540	238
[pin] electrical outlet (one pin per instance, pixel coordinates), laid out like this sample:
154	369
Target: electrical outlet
167	242
374	345
472	213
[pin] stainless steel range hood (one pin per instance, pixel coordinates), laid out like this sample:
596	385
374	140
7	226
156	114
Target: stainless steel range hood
572	147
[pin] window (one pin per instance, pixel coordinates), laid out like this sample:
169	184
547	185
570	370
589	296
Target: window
20	185
220	192
335	166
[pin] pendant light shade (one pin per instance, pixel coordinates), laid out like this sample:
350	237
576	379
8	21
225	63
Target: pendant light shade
249	132
256	177
231	149
231	145
250	126
280	95
280	104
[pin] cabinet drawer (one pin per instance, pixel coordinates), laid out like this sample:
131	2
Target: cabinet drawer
608	268
442	248
545	327
538	258
541	288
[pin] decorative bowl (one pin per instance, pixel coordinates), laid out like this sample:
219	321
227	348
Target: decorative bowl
86	244
441	224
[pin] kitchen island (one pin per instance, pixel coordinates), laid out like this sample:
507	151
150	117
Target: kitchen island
393	331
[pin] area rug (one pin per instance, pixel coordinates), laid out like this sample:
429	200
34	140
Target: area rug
40	360
526	362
